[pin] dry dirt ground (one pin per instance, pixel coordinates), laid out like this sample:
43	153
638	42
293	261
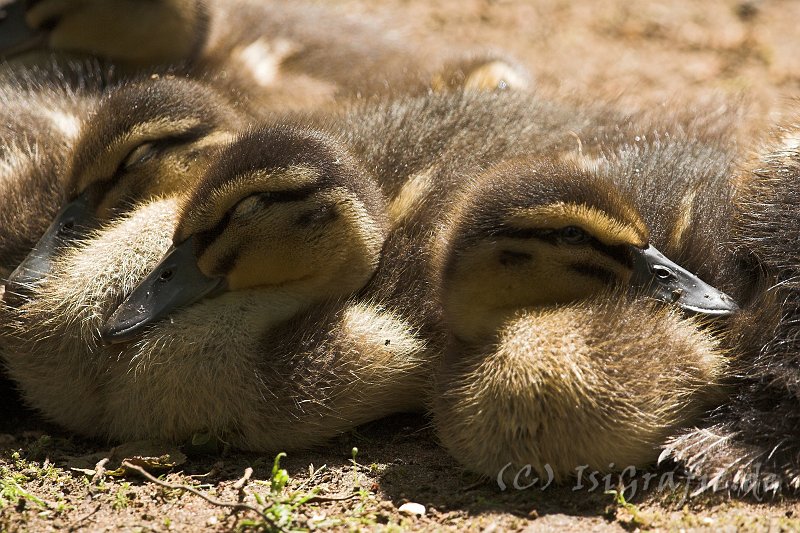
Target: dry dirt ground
640	53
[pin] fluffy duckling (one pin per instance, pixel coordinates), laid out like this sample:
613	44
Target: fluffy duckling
533	375
283	228
41	113
42	110
750	444
488	71
147	139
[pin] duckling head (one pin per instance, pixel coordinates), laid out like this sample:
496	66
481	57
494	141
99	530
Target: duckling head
147	139
282	210
533	234
165	31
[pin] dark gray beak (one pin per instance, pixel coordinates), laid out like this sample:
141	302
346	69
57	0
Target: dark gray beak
176	282
67	226
666	281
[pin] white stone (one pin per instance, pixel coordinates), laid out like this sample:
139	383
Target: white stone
412	509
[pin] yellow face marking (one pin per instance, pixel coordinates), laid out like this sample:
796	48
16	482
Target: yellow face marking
270	249
164	32
483	291
606	229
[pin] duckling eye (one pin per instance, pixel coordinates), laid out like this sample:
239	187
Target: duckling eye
573	235
140	154
166	275
663	273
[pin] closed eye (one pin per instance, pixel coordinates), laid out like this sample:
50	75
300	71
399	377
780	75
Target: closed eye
573	235
140	154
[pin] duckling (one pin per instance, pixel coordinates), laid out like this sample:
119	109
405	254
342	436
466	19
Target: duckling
147	138
285	55
283	228
42	111
487	71
539	335
750	444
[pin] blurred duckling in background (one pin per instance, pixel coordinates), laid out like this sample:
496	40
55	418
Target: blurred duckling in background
551	364
147	139
751	442
283	228
284	55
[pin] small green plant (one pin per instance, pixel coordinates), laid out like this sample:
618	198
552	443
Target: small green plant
281	504
354	453
122	498
11	491
280	477
637	517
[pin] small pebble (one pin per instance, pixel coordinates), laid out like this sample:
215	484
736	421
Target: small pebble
412	509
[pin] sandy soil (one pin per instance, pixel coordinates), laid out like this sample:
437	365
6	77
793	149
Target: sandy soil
642	54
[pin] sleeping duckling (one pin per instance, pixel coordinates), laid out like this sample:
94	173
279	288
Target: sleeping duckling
750	444
266	352
550	364
147	139
420	150
42	110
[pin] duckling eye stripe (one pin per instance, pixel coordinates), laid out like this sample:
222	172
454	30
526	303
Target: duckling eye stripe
273	197
527	233
594	271
190	135
204	239
617	253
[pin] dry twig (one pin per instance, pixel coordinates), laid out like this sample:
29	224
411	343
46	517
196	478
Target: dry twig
239	485
213	501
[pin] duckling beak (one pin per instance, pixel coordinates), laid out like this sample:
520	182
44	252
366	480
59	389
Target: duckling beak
669	282
175	282
66	226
